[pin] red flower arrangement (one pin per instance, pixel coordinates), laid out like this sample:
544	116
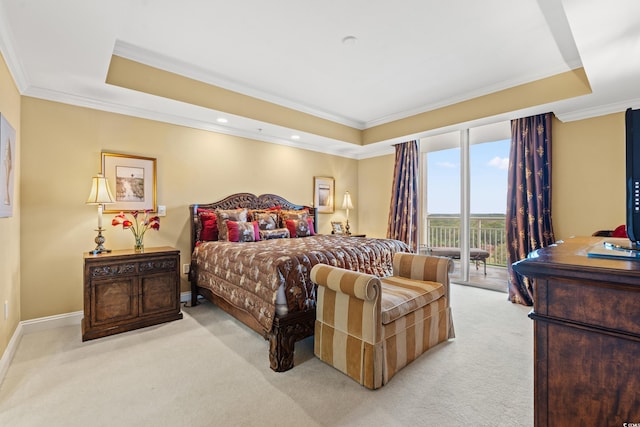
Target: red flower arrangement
139	225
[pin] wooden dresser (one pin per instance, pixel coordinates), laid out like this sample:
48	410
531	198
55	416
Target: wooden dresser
125	290
586	336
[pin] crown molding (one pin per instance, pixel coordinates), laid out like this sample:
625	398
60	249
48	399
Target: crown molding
599	110
172	65
322	145
480	92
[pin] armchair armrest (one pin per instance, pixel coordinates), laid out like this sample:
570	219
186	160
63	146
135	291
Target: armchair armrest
359	285
348	302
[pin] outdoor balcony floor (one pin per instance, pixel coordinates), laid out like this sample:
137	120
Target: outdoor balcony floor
496	278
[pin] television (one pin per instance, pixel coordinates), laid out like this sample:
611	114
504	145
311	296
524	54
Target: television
632	127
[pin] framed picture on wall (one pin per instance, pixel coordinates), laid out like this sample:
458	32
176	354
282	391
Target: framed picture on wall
7	167
134	180
323	194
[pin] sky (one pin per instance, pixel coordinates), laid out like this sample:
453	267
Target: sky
489	163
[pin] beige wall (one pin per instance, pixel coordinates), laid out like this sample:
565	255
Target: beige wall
588	175
375	176
10	227
61	152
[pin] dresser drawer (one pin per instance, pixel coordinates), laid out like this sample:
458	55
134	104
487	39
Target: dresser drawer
602	306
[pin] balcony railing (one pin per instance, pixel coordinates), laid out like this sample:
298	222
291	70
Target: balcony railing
486	232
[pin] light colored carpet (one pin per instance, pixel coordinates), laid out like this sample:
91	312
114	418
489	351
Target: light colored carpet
209	370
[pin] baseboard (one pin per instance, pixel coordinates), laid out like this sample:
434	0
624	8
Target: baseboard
45	323
50	322
10	351
185	297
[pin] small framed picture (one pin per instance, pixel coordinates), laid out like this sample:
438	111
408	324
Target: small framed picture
134	181
337	227
323	194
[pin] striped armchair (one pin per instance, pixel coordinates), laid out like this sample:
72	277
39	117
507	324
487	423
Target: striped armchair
369	328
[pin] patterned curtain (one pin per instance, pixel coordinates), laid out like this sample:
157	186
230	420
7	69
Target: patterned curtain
403	215
528	219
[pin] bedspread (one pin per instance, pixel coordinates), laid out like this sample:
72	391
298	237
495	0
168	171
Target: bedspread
248	275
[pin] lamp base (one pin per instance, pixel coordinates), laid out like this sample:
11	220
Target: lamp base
347	231
99	243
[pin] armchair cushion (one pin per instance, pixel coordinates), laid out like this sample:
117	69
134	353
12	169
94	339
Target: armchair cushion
402	296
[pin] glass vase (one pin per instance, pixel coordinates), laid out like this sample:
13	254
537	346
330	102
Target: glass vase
139	244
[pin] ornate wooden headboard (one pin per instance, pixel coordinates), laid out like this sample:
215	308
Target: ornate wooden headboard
245	200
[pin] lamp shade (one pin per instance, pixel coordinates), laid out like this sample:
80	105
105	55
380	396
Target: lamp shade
346	202
100	192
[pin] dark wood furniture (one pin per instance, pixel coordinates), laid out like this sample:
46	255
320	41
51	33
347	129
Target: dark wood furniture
586	335
286	330
126	290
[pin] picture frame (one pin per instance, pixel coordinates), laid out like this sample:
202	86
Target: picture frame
134	180
337	227
323	194
7	167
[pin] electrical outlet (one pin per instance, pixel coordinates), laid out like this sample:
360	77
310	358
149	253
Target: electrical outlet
162	210
185	268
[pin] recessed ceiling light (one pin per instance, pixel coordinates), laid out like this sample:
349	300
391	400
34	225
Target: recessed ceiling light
349	40
296	137
222	120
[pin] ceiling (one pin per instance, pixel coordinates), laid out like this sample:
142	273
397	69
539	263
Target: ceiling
408	56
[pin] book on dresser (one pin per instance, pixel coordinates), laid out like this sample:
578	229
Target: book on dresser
126	290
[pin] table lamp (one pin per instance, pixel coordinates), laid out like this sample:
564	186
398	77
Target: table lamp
346	204
100	195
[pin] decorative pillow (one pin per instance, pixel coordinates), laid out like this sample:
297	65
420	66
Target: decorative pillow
292	214
242	231
278	233
312	230
620	231
266	220
238	215
208	225
298	227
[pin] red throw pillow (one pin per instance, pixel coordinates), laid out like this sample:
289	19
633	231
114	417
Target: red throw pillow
298	227
209	223
232	231
312	231
237	232
256	231
291	226
620	231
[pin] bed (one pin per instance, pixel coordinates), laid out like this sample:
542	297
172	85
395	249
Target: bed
262	279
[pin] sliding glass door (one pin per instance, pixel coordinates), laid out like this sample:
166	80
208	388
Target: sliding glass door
464	182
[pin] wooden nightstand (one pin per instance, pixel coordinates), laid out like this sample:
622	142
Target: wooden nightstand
126	290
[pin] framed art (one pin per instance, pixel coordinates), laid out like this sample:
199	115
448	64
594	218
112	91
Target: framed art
134	179
7	167
323	194
337	227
